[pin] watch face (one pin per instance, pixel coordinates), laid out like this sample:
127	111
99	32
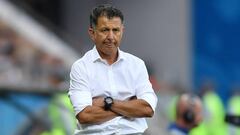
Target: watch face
109	100
108	103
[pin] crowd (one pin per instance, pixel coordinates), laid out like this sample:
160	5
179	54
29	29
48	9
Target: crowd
24	65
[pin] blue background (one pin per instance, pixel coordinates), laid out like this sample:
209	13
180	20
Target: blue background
216	44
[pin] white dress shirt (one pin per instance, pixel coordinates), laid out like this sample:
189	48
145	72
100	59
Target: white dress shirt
92	76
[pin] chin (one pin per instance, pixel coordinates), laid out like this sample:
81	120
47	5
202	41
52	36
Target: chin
110	49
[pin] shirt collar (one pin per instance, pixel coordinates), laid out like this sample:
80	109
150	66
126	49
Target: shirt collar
97	57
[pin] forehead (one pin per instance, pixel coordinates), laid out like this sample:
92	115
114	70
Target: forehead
103	21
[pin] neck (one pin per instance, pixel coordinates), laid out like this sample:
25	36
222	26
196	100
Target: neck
110	58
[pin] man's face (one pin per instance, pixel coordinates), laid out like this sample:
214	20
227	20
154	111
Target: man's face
107	35
199	113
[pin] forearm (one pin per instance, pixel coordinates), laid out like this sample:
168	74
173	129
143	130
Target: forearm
133	108
95	115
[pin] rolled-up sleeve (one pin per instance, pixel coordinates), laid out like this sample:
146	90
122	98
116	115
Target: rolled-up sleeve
144	88
79	92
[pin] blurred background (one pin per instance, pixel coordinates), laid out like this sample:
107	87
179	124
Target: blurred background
188	46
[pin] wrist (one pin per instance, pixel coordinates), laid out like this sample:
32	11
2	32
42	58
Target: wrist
108	101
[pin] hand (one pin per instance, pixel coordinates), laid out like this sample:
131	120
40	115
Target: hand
98	101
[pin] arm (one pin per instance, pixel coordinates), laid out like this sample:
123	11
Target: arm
144	102
86	110
94	115
133	108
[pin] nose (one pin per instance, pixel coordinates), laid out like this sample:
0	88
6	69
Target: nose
110	35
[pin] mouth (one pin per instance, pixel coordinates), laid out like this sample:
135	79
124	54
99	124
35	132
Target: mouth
109	44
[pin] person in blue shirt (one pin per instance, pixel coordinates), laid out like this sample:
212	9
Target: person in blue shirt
188	114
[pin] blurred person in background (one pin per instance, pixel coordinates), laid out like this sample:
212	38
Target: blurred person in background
60	111
188	114
234	110
214	111
110	89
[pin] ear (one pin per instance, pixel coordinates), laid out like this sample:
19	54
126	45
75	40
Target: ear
91	33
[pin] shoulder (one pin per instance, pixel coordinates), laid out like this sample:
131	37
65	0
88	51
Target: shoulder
134	63
174	129
81	62
132	58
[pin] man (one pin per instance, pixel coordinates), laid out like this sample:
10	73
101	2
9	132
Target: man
233	116
214	111
109	89
188	114
60	111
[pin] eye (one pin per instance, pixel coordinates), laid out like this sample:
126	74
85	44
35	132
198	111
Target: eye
104	30
116	30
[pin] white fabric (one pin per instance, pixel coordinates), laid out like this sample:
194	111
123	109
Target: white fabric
91	76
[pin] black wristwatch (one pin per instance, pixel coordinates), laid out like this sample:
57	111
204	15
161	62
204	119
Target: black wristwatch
108	101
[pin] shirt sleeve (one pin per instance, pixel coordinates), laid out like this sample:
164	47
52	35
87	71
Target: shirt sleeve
144	88
79	92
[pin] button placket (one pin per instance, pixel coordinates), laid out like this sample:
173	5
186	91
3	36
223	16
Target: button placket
111	81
